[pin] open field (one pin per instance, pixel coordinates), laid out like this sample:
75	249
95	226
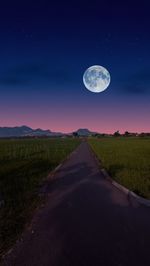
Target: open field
127	160
24	164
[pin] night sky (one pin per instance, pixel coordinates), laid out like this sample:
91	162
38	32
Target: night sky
45	47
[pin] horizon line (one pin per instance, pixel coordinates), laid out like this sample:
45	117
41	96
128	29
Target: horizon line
85	128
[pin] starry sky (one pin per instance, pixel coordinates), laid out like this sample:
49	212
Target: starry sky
45	48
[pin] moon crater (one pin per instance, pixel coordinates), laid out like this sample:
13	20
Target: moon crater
96	79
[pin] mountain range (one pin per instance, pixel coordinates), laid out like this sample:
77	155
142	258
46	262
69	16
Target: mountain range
84	132
25	131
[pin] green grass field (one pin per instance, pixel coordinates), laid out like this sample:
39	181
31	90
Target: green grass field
24	164
127	160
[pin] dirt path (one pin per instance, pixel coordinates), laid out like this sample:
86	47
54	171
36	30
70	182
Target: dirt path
85	222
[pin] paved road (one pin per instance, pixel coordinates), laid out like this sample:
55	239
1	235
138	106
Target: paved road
85	222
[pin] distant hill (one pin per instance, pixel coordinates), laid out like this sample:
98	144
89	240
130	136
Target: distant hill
84	132
24	131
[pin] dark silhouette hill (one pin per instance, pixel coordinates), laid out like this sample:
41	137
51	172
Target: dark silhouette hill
84	132
23	131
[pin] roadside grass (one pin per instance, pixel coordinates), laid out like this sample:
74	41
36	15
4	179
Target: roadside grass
127	160
24	164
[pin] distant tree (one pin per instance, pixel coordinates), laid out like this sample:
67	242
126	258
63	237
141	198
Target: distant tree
117	134
75	134
98	135
126	133
144	134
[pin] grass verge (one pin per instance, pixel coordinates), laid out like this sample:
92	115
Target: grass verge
127	160
24	164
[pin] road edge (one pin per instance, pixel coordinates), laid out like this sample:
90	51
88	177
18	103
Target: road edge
127	191
41	193
51	174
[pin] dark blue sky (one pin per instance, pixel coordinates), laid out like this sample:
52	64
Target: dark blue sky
45	48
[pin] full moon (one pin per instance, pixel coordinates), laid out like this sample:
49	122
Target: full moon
96	79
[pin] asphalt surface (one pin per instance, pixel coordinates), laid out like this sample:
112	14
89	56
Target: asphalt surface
86	221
